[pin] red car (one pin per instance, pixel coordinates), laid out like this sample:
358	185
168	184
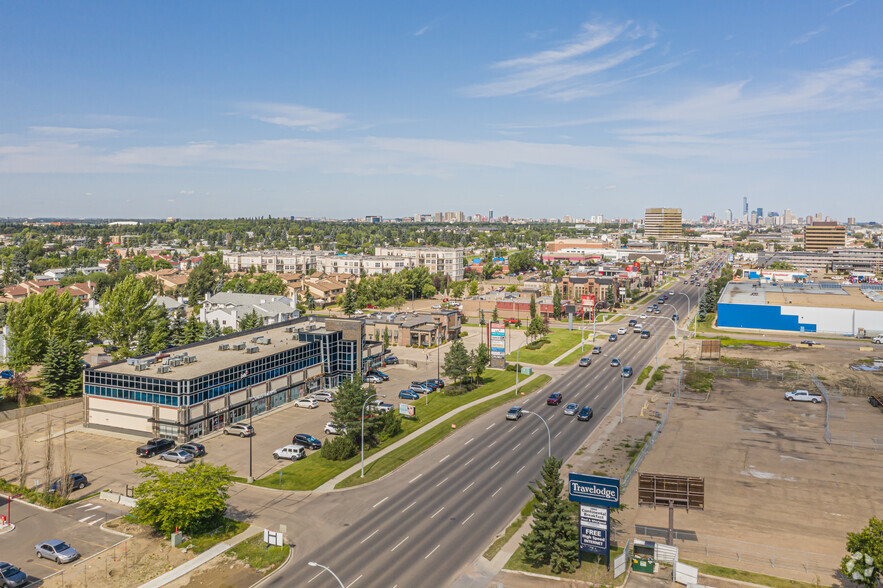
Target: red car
554	399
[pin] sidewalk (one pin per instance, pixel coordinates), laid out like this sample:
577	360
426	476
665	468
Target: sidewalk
205	556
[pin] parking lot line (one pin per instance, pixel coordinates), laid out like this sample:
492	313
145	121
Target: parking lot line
86	519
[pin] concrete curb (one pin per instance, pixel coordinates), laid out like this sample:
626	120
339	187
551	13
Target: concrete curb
278	569
544	577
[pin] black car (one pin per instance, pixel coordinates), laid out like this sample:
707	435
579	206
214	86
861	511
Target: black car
438	383
585	413
307	441
391	360
377	373
155	446
194	449
632	322
75	481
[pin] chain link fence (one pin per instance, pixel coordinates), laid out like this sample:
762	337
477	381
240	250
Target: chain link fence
745	373
647	446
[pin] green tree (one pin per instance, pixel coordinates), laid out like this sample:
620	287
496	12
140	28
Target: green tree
536	328
473	287
250	321
428	291
128	311
37	318
347	412
349	302
553	539
495	316
203	279
865	559
457	289
386	337
533	306
61	369
192	330
479	359
177	324
521	261
556	303
192	500
310	300
457	363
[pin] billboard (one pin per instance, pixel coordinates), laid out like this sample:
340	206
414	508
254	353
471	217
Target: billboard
407	410
674	491
588	300
597	490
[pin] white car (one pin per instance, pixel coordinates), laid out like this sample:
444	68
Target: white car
436	306
621	331
643	316
292	452
330	429
306	403
323	395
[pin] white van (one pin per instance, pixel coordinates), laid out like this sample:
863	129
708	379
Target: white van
292	452
638	328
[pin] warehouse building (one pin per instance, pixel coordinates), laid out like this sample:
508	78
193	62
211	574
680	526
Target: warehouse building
186	392
830	308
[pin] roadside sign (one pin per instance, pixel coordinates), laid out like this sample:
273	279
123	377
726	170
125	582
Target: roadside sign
593	516
593	540
597	490
272	538
407	410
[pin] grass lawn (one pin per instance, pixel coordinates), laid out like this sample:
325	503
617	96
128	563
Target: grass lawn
645	373
399	456
555	343
259	555
314	470
593	570
228	528
576	355
739	343
752	577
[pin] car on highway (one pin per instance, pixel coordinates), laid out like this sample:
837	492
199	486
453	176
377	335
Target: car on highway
674	317
323	395
643	316
155	446
243	429
571	409
585	413
626	372
614	362
554	399
656	311
11	576
437	382
645	334
177	456
194	449
408	395
621	331
671	292
331	429
638	328
391	360
596	350
56	550
421	388
632	322
373	379
585	361
306	403
292	452
514	413
803	396
809	342
612	337
307	441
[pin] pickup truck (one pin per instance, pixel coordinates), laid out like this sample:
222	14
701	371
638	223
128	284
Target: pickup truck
378	406
155	446
803	396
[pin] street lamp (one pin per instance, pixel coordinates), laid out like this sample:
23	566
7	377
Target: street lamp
517	369
318	565
547	428
367	400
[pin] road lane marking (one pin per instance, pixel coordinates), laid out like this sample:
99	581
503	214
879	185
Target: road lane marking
495	465
469	462
415	478
409	506
489	426
354	581
444	458
316	576
495	493
430	553
442	482
516	447
369	536
550	418
518	471
93	508
556	434
467	519
471	484
436	512
470	441
381	502
86	519
542	449
492	444
84	505
399	543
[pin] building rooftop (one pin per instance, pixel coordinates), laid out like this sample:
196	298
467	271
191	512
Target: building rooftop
820	295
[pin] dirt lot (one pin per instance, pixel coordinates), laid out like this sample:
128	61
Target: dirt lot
779	498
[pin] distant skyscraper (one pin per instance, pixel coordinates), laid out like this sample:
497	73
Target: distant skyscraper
788	217
662	223
759	212
744	205
850	220
729	215
490	214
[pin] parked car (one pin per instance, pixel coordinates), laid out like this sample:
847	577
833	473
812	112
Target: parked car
330	429
585	413
614	362
612	337
383	376
241	429
155	446
877	339
626	372
429	384
306	403
194	449
391	360
803	396
56	550
585	362
378	406
373	379
75	482
571	409
421	388
292	452
11	576
554	399
437	382
596	350
514	413
323	395
307	441
408	395
7	374
177	456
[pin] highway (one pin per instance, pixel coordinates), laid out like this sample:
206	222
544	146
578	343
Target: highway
420	525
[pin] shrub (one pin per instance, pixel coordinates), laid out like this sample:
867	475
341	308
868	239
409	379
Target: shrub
339	449
392	425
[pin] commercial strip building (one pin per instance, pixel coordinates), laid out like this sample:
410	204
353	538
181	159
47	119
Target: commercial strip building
821	236
189	391
662	223
415	329
829	308
846	259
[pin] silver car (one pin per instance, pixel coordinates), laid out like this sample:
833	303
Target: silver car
571	409
177	456
323	395
56	550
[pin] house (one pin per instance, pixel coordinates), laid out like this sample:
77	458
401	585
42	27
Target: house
172	305
324	291
228	308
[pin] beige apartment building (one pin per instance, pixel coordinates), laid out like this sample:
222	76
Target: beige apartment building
442	260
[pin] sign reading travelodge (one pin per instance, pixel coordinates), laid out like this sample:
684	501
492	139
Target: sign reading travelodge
597	490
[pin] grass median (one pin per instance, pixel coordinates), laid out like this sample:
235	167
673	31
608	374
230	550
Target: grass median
743	576
392	460
551	346
259	555
739	343
593	569
314	470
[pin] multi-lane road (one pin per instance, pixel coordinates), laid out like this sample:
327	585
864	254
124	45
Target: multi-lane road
423	523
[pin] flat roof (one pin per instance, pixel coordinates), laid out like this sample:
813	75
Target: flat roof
824	295
209	359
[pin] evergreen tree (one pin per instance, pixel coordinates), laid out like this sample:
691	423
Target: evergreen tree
556	303
310	301
206	332
176	329
349	302
479	359
250	321
347	412
533	306
192	330
18	265
457	363
553	539
53	370
536	328
385	337
495	316
3	311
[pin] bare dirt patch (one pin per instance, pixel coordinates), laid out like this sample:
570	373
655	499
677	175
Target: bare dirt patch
222	572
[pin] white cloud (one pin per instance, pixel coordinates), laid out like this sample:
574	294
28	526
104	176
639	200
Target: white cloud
842	6
419	32
296	116
187	192
75	132
805	37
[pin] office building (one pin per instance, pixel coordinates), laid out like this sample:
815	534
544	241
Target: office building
662	223
744	205
850	221
788	218
821	236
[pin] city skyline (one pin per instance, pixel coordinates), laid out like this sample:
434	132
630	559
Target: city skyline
115	111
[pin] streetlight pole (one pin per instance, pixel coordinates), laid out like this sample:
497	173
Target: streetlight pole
367	400
250	475
548	431
318	565
517	369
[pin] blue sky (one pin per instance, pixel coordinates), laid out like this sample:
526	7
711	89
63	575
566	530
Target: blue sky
217	109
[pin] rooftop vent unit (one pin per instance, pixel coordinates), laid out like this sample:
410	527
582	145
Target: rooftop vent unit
131	360
140	367
166	361
163	369
290	329
239	346
190	359
177	361
261	340
253	349
224	347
